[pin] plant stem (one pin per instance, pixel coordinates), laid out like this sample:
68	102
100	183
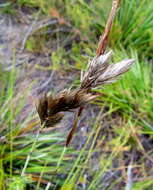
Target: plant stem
32	149
104	38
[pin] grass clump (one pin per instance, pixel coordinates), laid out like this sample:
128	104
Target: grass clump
119	137
23	156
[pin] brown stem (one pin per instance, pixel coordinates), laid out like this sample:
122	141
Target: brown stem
71	133
100	50
104	38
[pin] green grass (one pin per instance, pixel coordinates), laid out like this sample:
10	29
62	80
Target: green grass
133	94
21	149
32	159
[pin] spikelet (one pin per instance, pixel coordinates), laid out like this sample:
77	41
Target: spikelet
96	67
49	107
113	71
100	72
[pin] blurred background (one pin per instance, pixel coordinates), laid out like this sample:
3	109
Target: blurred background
44	46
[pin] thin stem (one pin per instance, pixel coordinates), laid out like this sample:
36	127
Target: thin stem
100	50
104	38
71	133
11	114
58	165
48	186
41	175
61	157
32	149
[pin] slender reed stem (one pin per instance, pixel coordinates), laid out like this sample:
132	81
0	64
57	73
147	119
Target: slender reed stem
32	149
100	50
58	165
104	38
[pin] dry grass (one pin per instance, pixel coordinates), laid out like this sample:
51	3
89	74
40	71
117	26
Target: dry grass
99	72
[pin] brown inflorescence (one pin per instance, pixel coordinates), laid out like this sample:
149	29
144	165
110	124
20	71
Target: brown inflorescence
99	72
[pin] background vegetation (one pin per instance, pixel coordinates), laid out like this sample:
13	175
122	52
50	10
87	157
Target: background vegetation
115	149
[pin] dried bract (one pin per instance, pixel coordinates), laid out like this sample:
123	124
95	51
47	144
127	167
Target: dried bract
42	108
100	72
49	107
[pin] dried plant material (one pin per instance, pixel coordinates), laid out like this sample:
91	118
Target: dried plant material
49	107
104	38
30	126
113	71
42	108
68	100
96	67
51	121
71	133
100	72
54	12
